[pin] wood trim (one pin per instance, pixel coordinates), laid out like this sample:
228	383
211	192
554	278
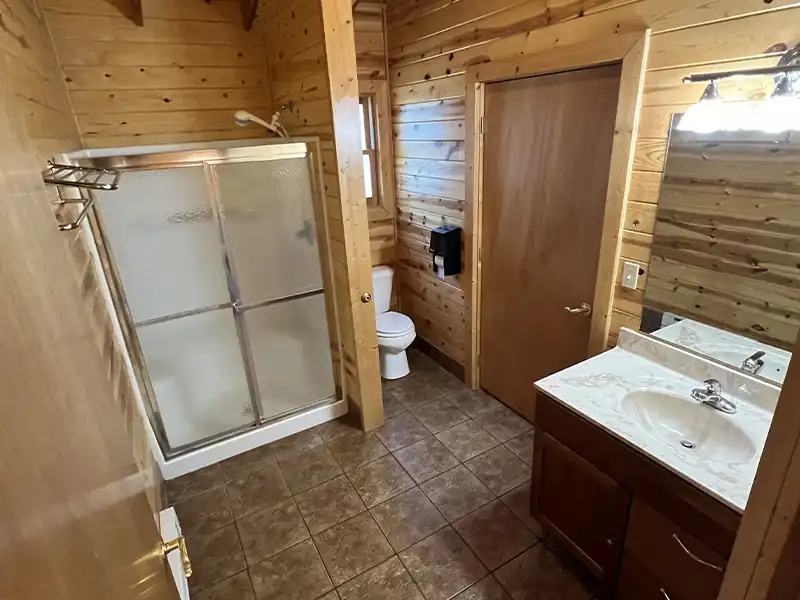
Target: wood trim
632	50
625	133
249	8
337	22
379	89
772	509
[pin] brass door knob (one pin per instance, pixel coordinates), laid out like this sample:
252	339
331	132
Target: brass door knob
366	297
583	309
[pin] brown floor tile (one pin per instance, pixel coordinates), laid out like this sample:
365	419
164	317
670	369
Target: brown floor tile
522	446
258	489
495	534
442	565
474	402
289	447
518	501
443	382
305	469
457	492
294	574
352	547
240	466
215	556
391	405
466	440
328	504
485	589
538	575
425	459
419	362
503	423
387	581
352	451
345	426
407	518
499	470
332	595
439	415
237	587
380	480
271	530
415	392
193	483
204	512
400	431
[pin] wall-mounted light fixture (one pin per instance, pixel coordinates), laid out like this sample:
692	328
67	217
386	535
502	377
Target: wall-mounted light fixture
781	112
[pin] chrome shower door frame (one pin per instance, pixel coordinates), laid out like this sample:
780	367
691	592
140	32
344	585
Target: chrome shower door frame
306	148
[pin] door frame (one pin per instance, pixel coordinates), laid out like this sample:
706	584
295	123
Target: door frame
631	51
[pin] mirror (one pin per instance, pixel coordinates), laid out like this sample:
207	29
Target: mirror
724	274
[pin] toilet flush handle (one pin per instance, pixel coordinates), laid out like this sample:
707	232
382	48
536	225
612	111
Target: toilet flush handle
366	297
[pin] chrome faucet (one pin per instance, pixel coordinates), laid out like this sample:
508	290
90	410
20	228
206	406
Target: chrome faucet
711	395
754	363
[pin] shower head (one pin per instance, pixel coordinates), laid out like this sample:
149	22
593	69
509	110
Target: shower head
243	118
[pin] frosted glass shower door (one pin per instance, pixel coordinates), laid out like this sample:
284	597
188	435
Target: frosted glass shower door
165	240
268	219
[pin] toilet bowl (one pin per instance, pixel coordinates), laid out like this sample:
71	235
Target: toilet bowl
395	330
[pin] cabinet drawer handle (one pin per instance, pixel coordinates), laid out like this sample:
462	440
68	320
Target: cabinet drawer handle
665	594
694	557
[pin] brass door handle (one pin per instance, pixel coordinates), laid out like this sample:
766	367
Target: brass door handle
179	543
583	309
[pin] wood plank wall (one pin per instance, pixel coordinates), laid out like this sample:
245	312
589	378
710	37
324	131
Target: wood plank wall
432	42
176	79
725	248
371	61
29	68
298	64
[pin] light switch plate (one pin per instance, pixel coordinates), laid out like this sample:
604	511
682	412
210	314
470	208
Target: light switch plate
630	275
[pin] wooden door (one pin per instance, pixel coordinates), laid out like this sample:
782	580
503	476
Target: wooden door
547	153
74	518
580	505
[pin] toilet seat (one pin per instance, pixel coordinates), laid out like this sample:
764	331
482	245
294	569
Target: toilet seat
393	324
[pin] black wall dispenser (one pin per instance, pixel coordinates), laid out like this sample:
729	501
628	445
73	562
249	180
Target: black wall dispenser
446	250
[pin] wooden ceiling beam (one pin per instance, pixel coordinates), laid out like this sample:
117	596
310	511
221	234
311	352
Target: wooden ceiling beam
136	12
249	8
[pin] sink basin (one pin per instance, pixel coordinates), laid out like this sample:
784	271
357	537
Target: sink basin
684	423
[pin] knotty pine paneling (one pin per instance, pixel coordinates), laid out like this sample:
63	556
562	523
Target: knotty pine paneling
28	67
431	44
177	79
728	254
371	61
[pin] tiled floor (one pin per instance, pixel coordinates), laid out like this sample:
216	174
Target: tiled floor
432	506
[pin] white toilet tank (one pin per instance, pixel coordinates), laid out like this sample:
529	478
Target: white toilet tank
382	288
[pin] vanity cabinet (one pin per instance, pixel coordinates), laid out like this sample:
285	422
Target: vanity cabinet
642	530
579	504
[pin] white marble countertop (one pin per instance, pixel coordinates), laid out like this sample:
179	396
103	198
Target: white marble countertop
595	389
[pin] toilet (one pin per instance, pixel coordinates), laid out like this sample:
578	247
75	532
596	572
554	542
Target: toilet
395	330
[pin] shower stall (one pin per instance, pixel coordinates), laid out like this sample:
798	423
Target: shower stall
216	259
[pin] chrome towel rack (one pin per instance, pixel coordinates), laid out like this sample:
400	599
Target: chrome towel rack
84	179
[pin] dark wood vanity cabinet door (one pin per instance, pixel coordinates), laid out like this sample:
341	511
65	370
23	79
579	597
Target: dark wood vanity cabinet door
584	508
683	565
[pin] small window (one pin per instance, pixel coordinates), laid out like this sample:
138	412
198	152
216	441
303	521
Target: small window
369	148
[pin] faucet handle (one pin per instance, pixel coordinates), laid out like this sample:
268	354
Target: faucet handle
713	386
